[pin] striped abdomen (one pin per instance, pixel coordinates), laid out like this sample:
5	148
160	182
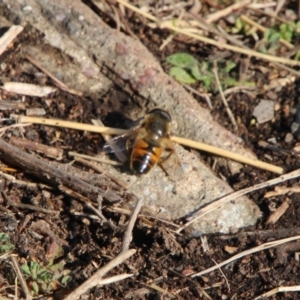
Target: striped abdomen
144	157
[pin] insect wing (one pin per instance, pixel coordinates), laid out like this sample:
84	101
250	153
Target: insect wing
121	143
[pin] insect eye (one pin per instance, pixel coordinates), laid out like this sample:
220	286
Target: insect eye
163	113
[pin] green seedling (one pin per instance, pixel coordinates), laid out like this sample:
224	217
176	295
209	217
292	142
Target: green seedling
186	69
5	244
46	279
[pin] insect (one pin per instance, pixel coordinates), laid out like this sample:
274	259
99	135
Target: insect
149	142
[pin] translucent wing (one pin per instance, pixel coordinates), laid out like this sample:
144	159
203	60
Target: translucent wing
121	142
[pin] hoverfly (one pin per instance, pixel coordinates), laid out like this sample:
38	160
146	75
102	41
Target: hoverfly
149	142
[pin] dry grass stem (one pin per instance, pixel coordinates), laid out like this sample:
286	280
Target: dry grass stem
227	283
128	213
162	291
224	153
48	151
100	170
114	279
279	212
128	232
20	277
94	279
280	190
248	252
179	140
201	290
203	39
216	204
261	5
272	15
226	11
280	289
98	122
28	89
263	29
101	160
86	201
33	208
8	37
60	84
206	96
238	89
236	42
229	112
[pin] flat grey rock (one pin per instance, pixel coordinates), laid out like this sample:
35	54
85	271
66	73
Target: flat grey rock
176	199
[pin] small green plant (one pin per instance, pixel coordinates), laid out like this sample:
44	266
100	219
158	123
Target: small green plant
38	278
5	244
46	279
270	42
186	69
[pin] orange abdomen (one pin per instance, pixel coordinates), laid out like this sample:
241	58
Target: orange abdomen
144	157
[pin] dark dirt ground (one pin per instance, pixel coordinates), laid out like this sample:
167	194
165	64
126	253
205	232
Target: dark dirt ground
158	260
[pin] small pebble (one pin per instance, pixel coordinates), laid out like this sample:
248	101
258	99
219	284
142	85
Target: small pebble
272	140
264	111
288	138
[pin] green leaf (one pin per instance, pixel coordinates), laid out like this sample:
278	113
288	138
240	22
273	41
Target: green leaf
65	280
274	37
25	269
230	81
238	26
271	35
207	81
35	287
262	48
182	60
181	75
4	237
58	266
34	267
44	275
196	72
286	32
6	248
229	66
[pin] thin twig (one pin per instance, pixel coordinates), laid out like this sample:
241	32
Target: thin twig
206	96
226	11
128	232
86	201
179	140
114	279
272	15
127	212
229	112
33	207
280	289
264	29
217	204
194	282
248	252
94	279
237	89
99	169
101	160
59	83
20	277
227	283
